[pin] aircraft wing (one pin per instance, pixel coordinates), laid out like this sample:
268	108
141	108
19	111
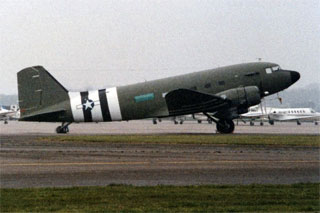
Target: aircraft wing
186	101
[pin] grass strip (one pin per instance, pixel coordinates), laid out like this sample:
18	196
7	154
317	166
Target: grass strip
284	140
203	198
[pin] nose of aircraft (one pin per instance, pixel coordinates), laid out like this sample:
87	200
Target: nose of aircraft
295	76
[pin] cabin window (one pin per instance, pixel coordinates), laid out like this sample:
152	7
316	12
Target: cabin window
208	85
221	83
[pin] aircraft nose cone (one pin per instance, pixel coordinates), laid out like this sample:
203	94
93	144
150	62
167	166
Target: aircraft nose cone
295	76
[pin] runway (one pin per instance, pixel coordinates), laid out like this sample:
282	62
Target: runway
146	127
29	161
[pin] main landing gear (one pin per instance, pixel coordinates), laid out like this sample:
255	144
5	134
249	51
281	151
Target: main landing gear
224	126
63	129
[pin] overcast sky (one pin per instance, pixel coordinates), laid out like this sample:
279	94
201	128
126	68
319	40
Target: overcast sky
93	44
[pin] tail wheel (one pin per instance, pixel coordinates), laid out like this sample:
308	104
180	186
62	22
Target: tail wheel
62	130
225	126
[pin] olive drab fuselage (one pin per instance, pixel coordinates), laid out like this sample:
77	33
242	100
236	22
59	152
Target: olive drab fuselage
233	89
147	99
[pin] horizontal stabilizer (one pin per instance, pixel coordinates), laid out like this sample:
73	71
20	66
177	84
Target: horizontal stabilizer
45	116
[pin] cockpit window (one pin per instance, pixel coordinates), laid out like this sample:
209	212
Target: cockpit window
272	69
312	111
275	68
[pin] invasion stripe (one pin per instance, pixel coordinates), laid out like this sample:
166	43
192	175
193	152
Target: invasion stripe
96	110
86	113
104	105
113	103
76	107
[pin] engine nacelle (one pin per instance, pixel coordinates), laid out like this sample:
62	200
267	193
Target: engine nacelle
243	97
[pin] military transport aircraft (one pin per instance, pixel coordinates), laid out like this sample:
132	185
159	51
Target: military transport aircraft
221	94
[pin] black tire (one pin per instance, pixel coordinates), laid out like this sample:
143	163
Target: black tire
225	126
66	129
251	123
261	123
199	121
62	130
59	129
271	122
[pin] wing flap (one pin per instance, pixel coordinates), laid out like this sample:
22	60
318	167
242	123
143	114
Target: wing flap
186	101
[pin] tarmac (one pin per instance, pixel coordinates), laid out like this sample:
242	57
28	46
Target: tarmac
27	161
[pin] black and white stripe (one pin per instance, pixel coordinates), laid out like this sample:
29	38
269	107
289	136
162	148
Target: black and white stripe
104	105
95	106
86	112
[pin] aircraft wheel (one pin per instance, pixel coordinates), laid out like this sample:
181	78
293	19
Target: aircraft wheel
261	123
251	123
271	122
5	122
181	122
62	130
225	126
175	122
316	123
199	121
298	123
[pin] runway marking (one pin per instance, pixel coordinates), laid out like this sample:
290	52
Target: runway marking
154	162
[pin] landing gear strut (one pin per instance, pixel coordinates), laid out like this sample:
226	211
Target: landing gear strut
63	129
224	126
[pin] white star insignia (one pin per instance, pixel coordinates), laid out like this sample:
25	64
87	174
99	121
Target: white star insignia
88	104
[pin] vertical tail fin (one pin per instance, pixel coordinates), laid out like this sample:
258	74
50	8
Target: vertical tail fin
41	97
